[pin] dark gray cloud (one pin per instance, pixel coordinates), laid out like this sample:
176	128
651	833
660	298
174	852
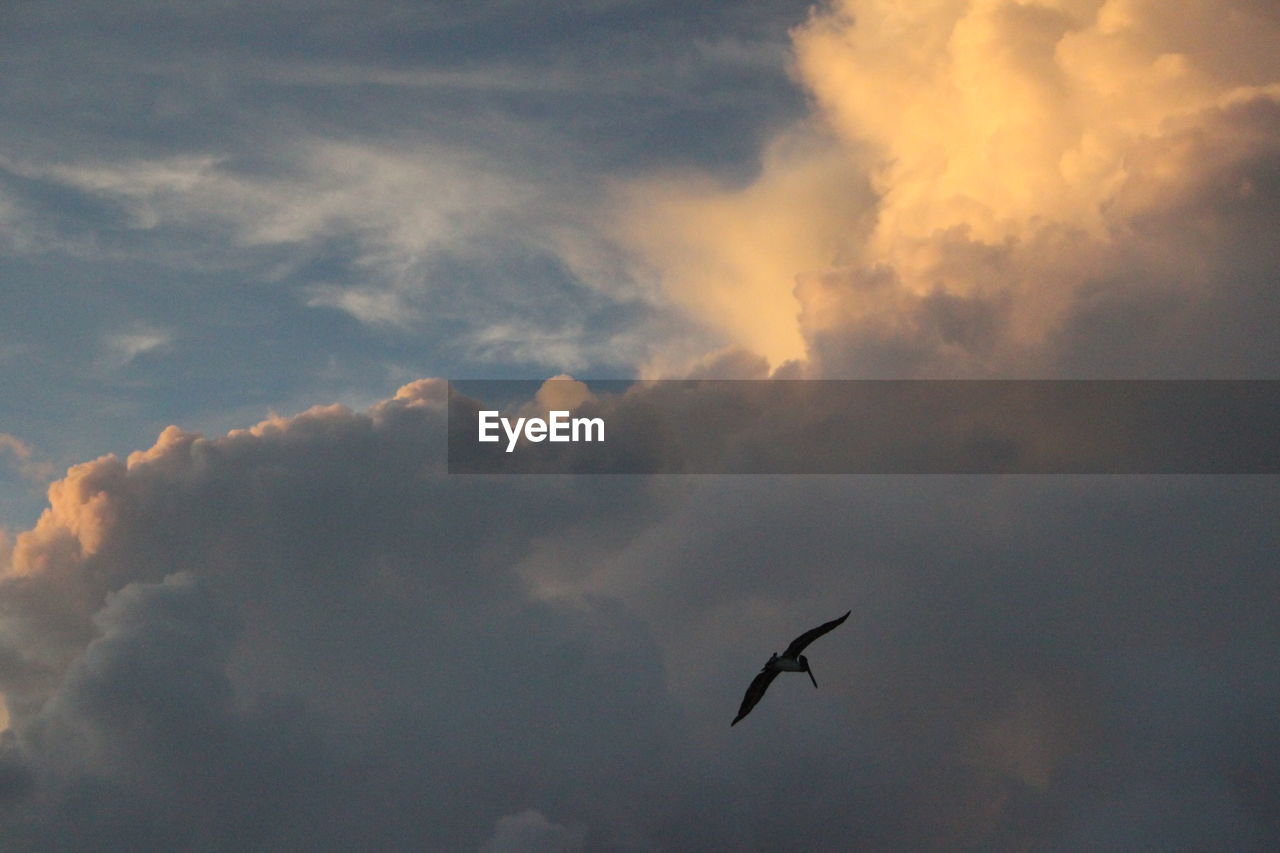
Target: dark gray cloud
157	710
530	832
308	636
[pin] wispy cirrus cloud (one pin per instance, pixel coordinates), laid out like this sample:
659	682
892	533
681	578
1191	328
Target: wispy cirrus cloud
25	458
122	348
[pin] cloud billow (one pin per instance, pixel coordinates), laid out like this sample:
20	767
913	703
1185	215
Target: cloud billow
995	189
159	615
307	635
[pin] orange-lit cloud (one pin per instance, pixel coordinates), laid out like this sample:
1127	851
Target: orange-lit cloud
1000	116
997	156
729	255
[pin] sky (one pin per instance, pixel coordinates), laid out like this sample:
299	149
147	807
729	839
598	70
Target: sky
244	606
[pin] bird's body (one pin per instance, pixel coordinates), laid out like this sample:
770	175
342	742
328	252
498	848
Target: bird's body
784	665
789	661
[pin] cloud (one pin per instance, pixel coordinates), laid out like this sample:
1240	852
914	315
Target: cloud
369	305
427	173
156	615
306	635
504	265
124	347
990	187
729	255
531	832
995	116
25	458
401	207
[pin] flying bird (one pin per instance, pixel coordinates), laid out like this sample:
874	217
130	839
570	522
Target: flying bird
791	661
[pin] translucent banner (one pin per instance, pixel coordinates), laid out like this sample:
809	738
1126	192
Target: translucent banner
566	426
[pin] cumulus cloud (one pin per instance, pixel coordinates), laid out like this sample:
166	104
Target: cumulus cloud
306	635
996	116
1003	187
155	616
729	255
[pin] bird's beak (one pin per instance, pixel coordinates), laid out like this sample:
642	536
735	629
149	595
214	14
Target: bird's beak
811	678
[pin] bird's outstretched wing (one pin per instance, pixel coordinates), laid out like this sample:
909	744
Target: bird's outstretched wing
798	644
759	685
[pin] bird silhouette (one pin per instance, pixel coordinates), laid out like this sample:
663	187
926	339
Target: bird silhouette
790	661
